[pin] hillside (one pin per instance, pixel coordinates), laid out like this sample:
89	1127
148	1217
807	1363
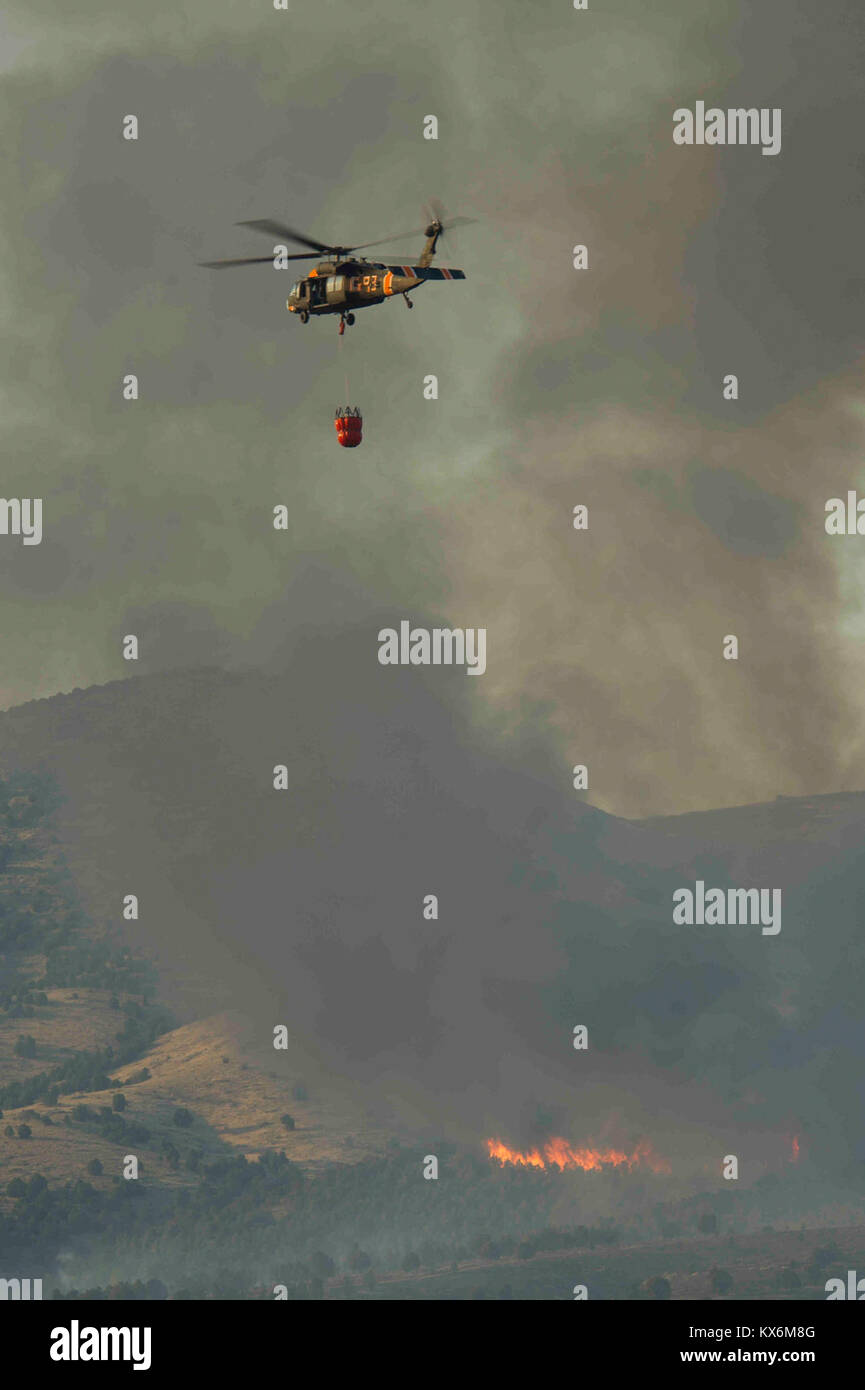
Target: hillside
152	1034
198	1067
777	1266
798	833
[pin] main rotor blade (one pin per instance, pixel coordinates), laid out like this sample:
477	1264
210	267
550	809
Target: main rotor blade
257	260
279	229
418	231
397	236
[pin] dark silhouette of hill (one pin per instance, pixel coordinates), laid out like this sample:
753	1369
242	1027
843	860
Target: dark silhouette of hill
304	907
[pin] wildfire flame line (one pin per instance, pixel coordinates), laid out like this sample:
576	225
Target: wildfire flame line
560	1154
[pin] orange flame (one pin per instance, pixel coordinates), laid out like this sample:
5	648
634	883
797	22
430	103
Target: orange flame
561	1154
795	1158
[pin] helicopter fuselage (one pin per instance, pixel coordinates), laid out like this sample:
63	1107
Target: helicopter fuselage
335	287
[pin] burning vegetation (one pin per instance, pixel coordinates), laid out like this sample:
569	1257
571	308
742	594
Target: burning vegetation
558	1153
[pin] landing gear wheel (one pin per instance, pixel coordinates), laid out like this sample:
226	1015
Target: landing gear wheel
304	316
349	318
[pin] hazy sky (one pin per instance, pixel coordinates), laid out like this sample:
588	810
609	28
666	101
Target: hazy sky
557	386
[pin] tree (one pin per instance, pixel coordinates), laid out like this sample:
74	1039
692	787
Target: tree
721	1280
94	1168
825	1254
25	1046
288	1121
24	1131
118	1101
411	1261
659	1287
182	1117
16	1188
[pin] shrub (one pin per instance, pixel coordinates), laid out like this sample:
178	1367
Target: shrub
721	1280
659	1287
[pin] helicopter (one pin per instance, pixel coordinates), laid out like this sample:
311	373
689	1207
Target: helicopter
342	282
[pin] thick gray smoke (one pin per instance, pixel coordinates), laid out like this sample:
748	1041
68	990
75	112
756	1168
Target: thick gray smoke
556	386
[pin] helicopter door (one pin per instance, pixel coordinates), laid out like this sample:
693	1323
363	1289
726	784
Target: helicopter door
335	288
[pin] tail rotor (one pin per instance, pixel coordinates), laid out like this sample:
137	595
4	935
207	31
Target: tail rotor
438	220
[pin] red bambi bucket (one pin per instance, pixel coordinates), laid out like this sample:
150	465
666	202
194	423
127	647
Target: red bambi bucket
349	426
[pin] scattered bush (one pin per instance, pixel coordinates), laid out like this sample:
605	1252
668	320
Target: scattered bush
720	1280
659	1287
